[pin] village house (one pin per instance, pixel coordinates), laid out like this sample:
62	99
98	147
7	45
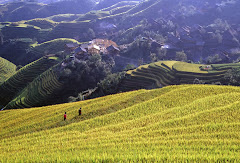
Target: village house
113	50
210	40
80	53
93	49
103	42
155	45
71	46
96	46
184	30
170	47
84	46
196	34
206	68
173	39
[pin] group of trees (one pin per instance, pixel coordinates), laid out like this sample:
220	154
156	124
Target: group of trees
232	77
109	85
82	75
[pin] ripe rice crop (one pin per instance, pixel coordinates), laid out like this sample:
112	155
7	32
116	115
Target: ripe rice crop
185	123
7	69
164	73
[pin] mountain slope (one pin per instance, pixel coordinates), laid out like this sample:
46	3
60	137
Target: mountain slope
38	92
177	123
163	73
17	82
17	11
7	69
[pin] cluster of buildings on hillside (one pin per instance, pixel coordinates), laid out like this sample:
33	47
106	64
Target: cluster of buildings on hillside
195	39
198	36
96	46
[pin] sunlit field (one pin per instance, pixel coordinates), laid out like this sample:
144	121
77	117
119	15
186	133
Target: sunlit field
186	123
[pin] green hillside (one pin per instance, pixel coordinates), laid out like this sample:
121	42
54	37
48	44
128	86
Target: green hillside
42	23
38	92
70	29
165	73
50	47
73	25
186	123
23	51
17	82
17	30
7	69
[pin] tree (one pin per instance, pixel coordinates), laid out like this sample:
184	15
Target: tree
91	33
81	75
161	53
197	81
153	57
232	77
129	67
213	59
181	56
110	84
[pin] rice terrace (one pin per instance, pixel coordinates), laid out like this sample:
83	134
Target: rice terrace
119	81
175	123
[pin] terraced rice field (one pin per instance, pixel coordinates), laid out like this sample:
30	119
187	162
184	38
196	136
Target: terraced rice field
7	69
42	23
164	73
38	91
52	47
185	123
17	82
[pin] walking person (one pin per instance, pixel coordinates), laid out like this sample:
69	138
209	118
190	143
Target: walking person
65	116
80	111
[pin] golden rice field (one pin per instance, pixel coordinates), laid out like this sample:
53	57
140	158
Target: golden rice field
185	123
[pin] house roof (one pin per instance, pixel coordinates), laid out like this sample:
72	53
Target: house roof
103	42
84	46
112	47
94	47
80	49
72	45
169	46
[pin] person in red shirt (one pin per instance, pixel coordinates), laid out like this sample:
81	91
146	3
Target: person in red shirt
80	111
65	116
